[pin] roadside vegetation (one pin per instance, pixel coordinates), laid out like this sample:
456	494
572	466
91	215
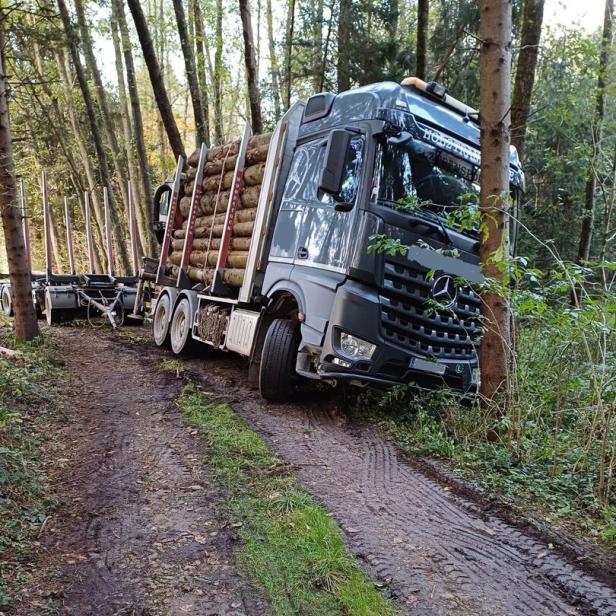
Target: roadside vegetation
290	544
27	397
551	446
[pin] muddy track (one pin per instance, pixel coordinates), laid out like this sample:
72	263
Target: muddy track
439	552
140	529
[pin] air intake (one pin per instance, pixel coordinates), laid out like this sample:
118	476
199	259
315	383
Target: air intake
318	106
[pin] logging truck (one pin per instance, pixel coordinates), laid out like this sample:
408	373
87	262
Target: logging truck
332	249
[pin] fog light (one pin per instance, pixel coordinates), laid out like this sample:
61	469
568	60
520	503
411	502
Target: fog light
341	362
355	347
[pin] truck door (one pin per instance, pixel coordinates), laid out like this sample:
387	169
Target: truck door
325	234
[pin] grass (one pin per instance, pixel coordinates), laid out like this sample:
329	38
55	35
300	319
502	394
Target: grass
289	543
27	397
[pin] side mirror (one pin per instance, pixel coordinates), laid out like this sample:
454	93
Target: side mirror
335	157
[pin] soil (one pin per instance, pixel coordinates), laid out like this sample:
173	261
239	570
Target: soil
140	530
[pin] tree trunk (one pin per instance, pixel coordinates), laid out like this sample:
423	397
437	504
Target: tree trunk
344	44
325	54
495	101
158	86
94	126
133	93
532	21
289	52
218	127
84	156
423	15
317	54
273	60
191	71
607	217
201	71
26	325
250	59
588	218
142	222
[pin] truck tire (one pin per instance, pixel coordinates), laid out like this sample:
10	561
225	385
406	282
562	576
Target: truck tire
277	376
53	315
181	327
160	326
7	301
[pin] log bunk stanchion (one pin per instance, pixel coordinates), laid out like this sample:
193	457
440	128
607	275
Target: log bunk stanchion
218	287
46	225
161	277
25	223
69	237
89	238
108	234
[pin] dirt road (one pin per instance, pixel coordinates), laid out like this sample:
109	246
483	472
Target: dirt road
140	531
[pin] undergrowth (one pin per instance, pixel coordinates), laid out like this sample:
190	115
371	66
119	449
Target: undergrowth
290	545
27	395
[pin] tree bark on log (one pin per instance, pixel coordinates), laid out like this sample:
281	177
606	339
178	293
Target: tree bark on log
26	325
156	80
495	102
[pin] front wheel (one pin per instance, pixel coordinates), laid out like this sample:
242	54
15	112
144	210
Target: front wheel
277	376
181	325
7	301
160	326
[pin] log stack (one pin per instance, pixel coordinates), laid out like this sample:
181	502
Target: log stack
218	174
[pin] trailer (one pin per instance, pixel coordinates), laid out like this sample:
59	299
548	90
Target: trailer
312	300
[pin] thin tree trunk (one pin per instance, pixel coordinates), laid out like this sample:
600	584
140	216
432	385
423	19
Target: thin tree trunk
495	101
26	325
133	93
107	120
344	44
607	217
191	71
273	60
84	156
218	126
201	70
158	86
289	52
142	223
423	16
597	137
250	59
532	21
325	55
317	54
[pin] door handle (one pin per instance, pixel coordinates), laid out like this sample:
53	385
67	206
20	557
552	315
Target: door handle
302	253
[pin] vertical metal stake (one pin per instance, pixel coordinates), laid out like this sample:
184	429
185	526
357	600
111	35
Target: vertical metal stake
132	227
69	237
89	238
25	223
108	236
46	223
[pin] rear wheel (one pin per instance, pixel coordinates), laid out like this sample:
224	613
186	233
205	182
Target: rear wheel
53	315
160	325
181	325
7	301
277	376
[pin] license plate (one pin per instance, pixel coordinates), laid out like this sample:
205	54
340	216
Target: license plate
427	366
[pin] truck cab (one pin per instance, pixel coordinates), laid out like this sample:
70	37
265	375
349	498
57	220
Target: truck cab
361	268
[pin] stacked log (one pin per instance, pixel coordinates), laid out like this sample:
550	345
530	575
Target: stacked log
218	174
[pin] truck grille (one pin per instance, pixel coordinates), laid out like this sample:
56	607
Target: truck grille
408	319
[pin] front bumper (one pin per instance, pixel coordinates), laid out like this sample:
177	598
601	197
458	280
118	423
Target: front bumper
357	310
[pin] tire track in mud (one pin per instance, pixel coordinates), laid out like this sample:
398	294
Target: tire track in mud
438	552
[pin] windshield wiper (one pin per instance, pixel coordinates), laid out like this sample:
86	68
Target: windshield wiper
432	224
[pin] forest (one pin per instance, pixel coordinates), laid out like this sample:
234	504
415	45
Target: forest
107	94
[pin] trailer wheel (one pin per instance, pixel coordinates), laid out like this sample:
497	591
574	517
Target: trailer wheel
7	301
180	328
277	376
160	325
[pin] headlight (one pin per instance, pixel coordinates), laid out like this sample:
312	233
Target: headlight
355	347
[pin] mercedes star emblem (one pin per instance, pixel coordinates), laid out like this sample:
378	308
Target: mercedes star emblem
444	291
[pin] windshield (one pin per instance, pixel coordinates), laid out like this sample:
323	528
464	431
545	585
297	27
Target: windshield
423	177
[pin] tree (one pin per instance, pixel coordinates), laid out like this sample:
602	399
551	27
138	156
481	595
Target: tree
137	124
201	72
344	45
532	20
273	60
218	125
289	52
597	137
158	85
26	325
94	125
423	14
191	71
495	100
250	59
